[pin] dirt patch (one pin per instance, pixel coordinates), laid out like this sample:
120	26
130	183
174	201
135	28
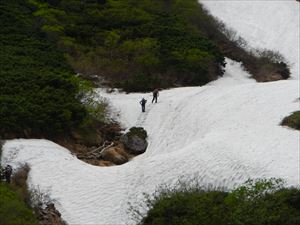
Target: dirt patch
86	143
109	154
103	145
49	216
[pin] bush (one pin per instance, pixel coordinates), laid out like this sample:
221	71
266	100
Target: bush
260	202
292	121
39	94
138	131
141	83
145	43
13	210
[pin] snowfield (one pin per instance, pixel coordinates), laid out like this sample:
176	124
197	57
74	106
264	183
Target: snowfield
224	132
264	24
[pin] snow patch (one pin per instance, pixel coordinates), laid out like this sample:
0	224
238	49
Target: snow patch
264	24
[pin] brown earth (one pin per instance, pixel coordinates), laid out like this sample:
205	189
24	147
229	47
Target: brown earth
87	144
49	216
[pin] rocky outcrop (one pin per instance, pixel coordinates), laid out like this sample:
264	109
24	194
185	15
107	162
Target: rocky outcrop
135	140
49	216
117	152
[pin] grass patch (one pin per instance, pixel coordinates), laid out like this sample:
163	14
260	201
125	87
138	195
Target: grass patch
13	211
292	121
15	201
260	202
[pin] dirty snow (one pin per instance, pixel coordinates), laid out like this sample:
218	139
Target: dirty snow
225	132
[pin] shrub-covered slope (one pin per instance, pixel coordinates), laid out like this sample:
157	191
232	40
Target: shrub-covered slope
260	203
137	45
13	210
38	94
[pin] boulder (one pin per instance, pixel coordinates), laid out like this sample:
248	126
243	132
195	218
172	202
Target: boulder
115	154
135	140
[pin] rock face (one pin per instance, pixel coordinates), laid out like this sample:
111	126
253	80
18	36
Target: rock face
135	140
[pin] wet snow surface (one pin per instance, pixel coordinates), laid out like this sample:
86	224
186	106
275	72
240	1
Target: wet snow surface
225	132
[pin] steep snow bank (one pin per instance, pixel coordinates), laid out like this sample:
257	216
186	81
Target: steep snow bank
269	24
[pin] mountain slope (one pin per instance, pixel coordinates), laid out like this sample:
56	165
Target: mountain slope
226	132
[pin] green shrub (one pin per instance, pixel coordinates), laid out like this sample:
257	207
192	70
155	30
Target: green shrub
139	131
261	202
146	43
39	93
13	210
292	121
140	83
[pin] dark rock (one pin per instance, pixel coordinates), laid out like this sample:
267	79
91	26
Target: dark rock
135	140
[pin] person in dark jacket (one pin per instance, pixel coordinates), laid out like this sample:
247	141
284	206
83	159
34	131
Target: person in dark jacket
7	173
155	95
143	104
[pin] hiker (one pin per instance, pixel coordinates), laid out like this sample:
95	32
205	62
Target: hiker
143	104
155	95
7	173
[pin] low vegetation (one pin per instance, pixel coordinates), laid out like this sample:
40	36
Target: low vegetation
13	211
292	121
140	44
136	45
139	131
15	201
39	93
262	202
